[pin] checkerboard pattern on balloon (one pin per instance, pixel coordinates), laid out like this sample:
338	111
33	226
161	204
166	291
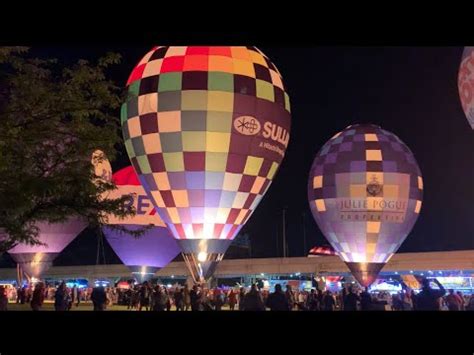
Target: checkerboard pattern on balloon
204	177
372	172
466	84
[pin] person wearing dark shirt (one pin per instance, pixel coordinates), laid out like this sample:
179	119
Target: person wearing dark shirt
98	298
329	304
365	300
350	301
428	298
195	296
277	300
253	300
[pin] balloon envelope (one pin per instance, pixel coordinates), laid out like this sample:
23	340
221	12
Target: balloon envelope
206	129
156	248
365	192
466	84
36	259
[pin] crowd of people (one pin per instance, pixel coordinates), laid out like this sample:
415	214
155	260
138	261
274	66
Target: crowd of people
149	297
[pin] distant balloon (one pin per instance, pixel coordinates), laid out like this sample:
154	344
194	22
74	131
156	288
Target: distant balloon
466	84
365	192
206	129
37	259
150	252
34	260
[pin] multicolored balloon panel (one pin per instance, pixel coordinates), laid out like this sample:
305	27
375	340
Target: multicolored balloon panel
206	129
466	84
151	251
365	192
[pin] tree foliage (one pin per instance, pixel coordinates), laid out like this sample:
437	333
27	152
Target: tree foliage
52	118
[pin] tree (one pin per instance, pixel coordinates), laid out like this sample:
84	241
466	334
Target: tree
52	118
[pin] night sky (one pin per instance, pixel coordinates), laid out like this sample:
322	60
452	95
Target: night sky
410	91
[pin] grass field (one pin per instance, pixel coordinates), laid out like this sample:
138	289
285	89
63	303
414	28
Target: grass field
49	306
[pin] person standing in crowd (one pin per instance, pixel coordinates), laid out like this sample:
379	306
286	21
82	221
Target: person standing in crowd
23	295
302	301
204	301
29	293
429	299
365	300
38	297
74	296
241	298
179	299
290	296
312	302
218	299
98	298
329	303
277	300
453	301
61	297
158	299
3	299
144	296
470	304
186	298
78	297
350	301
194	296
232	299
407	300
167	298
253	300
463	301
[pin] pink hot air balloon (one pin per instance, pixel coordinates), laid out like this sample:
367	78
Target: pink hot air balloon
466	84
150	252
206	129
365	192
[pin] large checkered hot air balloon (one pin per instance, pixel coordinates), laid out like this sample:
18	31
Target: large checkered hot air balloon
206	129
365	192
466	84
150	252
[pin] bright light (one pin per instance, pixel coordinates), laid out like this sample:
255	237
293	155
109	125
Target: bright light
429	271
202	256
262	274
142	273
439	272
298	274
411	271
169	285
172	276
396	272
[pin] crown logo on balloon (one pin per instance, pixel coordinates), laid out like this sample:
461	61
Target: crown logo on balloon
374	188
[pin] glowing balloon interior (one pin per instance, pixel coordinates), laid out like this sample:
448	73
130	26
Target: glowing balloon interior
150	252
466	84
206	129
365	192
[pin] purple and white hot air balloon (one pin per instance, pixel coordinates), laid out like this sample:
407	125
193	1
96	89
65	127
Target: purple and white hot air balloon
365	192
466	84
150	252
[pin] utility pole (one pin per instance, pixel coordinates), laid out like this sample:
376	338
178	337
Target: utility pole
284	232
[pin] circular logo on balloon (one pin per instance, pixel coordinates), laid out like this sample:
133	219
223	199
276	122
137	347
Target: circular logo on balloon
247	125
374	188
